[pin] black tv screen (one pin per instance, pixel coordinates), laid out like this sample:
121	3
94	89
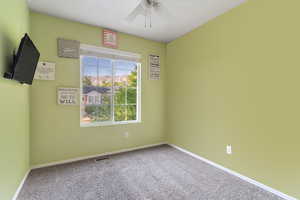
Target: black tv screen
25	61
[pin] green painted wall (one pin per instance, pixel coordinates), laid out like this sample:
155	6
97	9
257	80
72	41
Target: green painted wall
14	103
232	81
56	134
236	81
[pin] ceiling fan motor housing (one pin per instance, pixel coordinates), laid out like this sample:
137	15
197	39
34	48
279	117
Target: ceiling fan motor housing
152	3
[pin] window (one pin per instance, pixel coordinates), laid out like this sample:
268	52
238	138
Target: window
110	91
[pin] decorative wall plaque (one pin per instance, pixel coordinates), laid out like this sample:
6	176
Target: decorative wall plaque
45	71
68	48
154	67
67	96
110	38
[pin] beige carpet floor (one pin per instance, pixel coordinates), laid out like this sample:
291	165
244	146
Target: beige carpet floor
159	173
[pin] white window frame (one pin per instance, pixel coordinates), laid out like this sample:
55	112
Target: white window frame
138	88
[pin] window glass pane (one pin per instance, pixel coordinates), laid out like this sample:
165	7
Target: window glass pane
90	71
94	113
132	79
89	60
89	113
97	100
120	95
105	72
120	113
98	76
104	113
106	99
125	73
131	112
131	96
93	95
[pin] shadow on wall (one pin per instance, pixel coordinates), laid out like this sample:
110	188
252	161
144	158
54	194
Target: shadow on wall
7	48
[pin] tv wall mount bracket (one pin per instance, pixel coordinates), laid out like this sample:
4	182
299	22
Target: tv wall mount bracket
10	74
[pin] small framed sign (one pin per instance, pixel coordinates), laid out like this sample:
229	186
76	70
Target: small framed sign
68	48
154	67
45	71
67	96
110	38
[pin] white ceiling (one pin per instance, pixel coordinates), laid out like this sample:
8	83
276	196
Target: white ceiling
186	15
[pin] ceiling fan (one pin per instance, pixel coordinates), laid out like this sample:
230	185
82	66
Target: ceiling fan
146	8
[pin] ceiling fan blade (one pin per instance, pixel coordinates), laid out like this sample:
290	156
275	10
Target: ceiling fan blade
162	11
139	10
180	2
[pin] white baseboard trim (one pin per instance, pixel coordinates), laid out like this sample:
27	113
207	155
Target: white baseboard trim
96	155
245	178
21	185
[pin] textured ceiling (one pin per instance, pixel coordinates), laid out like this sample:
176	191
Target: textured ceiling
184	15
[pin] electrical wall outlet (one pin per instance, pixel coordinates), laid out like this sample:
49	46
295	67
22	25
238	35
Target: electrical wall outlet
229	149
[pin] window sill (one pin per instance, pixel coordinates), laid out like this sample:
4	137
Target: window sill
98	124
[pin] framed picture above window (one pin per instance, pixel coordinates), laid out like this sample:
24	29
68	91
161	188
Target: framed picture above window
110	91
110	38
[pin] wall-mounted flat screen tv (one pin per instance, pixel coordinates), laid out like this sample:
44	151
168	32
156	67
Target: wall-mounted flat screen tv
25	61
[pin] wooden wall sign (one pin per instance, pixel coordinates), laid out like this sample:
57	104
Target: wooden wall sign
110	38
68	48
67	96
154	67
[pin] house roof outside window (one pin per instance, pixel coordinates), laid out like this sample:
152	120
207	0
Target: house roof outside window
102	90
